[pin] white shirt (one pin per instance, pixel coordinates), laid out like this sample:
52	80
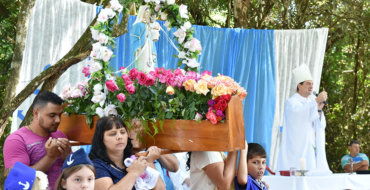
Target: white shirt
199	178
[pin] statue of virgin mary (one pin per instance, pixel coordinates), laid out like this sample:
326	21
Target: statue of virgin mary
142	48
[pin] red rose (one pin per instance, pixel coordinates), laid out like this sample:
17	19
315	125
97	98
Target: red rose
218	106
221	105
224	103
227	97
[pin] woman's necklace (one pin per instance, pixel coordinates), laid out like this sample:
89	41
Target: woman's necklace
118	169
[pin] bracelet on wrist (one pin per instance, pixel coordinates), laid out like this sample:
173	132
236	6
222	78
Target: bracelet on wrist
319	111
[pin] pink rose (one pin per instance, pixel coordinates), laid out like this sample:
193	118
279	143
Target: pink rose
211	117
121	97
133	74
130	88
111	85
141	78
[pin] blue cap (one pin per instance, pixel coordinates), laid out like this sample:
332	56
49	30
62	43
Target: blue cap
77	158
20	177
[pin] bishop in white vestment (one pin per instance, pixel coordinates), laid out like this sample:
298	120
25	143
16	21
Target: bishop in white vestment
303	136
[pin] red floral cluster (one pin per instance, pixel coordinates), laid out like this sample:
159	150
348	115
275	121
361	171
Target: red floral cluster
217	107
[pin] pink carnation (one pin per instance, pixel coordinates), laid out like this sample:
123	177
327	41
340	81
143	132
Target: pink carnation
111	85
121	97
191	75
206	73
130	88
142	78
150	80
133	74
125	78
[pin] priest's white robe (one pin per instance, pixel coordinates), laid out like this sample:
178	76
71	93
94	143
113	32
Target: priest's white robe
303	135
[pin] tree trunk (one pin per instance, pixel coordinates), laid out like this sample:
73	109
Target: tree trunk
229	11
355	85
240	13
21	28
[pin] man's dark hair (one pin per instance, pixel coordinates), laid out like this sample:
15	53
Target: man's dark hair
98	149
255	149
353	142
301	83
43	98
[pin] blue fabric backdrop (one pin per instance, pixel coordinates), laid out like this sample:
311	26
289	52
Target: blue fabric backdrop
245	55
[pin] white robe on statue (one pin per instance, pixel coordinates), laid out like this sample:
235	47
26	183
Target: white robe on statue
303	136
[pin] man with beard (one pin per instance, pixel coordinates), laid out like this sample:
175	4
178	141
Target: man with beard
40	145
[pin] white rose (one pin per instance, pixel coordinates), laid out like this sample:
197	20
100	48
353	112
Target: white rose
103	39
192	63
95	66
170	2
193	45
99	98
183	10
186	26
110	110
99	111
98	87
94	34
103	16
110	13
105	53
95	52
147	1
163	16
181	55
76	92
66	92
180	34
116	6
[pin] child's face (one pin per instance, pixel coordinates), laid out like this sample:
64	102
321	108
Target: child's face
256	167
82	179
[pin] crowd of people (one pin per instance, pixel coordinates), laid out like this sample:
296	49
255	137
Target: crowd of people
39	156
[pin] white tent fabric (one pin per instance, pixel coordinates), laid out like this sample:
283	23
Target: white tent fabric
293	48
54	27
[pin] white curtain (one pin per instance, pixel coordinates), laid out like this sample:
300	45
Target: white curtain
293	48
54	27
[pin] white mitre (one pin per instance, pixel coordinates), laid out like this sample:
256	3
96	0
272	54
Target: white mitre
301	74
